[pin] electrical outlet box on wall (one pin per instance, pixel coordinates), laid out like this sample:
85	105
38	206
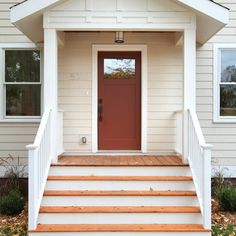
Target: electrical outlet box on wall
83	139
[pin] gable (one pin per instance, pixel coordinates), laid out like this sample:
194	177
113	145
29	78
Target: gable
117	14
150	15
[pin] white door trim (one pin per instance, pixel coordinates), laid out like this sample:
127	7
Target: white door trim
112	47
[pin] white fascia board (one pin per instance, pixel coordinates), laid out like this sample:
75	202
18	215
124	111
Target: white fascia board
30	7
209	8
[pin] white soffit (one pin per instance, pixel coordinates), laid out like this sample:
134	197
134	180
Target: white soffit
28	17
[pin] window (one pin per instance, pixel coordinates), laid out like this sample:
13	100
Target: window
22	85
119	68
225	84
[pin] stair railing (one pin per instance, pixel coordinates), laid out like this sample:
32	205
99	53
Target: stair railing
199	158
39	154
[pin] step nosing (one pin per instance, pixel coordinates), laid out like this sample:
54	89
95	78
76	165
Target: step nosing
118	209
118	193
120	178
120	228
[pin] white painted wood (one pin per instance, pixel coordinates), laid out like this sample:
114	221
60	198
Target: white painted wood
189	83
39	164
120	185
199	157
50	85
179	132
120	218
120	201
143	50
118	171
60	143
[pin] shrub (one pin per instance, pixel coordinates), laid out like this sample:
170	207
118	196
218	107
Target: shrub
13	174
219	181
226	197
223	231
12	203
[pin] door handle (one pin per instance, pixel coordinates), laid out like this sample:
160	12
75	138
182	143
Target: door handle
100	111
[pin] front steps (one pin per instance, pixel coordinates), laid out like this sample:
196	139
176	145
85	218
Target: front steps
119	201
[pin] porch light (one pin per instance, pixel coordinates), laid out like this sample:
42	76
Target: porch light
119	37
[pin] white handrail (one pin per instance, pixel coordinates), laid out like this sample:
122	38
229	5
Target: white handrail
39	154
199	157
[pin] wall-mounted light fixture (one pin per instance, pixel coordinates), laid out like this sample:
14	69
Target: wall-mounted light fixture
119	37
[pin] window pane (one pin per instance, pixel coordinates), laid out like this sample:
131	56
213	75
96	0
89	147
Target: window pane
119	68
22	66
228	100
228	66
23	100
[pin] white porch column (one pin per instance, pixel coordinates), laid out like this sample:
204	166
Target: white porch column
50	84
189	83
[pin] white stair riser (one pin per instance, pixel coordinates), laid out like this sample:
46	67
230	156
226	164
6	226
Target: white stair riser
119	201
119	171
119	185
120	218
123	234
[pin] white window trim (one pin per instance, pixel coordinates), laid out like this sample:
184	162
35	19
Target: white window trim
217	71
112	47
3	117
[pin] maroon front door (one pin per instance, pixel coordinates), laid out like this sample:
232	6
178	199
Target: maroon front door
119	101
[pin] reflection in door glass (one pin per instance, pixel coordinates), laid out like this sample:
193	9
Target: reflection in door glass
119	68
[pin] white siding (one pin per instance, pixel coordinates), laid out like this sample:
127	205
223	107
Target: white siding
165	79
13	136
113	14
8	32
222	136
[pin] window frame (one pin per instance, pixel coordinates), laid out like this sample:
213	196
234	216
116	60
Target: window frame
217	118
3	116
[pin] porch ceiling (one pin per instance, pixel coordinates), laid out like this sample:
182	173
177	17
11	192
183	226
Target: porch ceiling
28	17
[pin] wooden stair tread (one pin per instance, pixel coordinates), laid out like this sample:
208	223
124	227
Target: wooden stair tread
120	228
120	209
120	178
118	193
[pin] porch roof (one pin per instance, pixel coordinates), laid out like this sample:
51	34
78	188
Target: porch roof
211	17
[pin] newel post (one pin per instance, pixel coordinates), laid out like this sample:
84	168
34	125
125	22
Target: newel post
207	186
33	188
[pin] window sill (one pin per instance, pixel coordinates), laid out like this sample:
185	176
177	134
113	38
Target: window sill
224	121
20	120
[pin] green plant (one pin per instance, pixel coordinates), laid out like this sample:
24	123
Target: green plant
226	197
223	231
14	230
12	203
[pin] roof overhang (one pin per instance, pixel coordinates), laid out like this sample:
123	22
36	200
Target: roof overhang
28	16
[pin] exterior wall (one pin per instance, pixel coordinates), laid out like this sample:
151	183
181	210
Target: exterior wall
14	135
165	79
222	136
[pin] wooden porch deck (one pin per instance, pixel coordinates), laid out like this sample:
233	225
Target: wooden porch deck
119	160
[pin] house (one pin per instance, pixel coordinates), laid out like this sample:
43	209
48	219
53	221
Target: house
130	94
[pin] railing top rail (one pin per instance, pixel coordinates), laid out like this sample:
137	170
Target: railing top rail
40	131
198	130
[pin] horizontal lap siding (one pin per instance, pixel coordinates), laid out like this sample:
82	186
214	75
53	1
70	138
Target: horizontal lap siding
13	139
165	78
222	136
13	136
8	32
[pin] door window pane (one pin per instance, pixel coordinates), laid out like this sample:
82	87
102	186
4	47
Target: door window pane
228	66
22	66
23	100
228	100
119	68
